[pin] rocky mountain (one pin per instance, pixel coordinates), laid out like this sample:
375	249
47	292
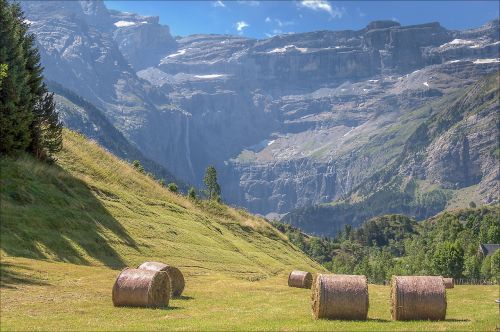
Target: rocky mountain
450	160
288	121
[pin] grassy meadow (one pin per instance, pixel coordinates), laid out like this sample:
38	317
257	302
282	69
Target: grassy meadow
68	229
43	295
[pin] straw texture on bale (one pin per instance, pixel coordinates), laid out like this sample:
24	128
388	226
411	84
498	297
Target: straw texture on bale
449	283
337	296
300	279
177	282
141	288
418	298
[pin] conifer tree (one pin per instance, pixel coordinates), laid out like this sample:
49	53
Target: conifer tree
210	180
28	121
15	98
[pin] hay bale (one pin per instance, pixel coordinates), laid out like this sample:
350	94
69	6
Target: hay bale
300	279
449	283
141	288
177	282
420	297
337	296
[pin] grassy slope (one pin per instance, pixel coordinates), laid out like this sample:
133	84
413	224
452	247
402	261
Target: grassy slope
97	214
92	208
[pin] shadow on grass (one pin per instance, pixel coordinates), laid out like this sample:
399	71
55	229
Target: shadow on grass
9	278
182	297
378	320
48	213
456	320
170	308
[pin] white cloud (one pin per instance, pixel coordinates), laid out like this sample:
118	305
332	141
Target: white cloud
218	3
252	3
268	19
241	25
283	23
323	5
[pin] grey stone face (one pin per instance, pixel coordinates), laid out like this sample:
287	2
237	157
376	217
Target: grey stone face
288	121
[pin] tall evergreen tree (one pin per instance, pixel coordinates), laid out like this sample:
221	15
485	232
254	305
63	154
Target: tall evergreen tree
46	128
210	180
29	121
15	97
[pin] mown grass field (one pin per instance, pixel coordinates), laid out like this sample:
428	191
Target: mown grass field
41	295
68	229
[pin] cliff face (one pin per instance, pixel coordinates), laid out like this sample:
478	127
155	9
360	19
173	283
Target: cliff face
288	121
449	160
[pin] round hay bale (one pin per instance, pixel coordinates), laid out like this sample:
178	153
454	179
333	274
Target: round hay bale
141	288
449	283
337	296
418	298
177	282
300	279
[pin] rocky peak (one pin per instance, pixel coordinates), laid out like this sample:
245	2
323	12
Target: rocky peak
142	40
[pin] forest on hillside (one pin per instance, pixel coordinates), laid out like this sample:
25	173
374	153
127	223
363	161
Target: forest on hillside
446	245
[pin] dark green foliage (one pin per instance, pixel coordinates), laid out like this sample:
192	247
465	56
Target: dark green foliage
46	128
444	245
173	187
398	245
192	193
211	184
15	97
137	165
321	250
29	121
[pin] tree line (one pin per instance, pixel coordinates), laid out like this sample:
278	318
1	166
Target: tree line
29	121
389	245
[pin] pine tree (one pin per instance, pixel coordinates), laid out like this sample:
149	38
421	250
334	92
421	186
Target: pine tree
29	121
15	97
46	128
210	180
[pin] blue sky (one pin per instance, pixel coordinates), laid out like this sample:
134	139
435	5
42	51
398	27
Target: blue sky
261	19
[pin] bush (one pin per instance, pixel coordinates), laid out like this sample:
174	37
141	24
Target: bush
173	187
192	193
137	165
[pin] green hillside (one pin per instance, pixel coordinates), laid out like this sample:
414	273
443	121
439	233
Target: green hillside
94	209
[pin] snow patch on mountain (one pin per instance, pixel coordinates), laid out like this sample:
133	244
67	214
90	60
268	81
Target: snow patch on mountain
288	48
483	61
121	24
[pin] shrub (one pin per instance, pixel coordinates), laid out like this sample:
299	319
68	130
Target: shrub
137	165
192	193
173	187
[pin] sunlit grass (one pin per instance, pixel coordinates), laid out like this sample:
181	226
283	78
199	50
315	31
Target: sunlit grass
75	297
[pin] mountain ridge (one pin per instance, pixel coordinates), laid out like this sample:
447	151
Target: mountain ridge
309	104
